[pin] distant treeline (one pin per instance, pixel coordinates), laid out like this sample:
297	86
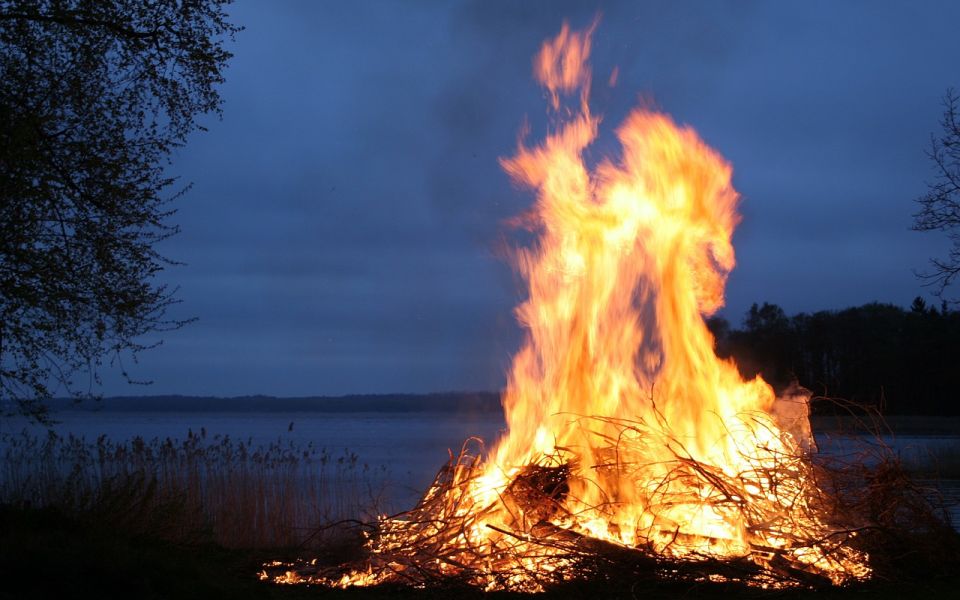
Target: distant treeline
903	361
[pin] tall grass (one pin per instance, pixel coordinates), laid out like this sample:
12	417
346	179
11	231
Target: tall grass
218	489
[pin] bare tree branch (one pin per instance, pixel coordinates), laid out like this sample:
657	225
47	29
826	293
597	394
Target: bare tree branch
940	205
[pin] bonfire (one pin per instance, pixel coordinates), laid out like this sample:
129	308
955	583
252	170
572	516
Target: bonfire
630	447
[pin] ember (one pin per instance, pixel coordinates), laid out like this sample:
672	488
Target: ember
630	445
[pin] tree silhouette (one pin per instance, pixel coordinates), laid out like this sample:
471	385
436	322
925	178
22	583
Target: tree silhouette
901	361
94	97
940	205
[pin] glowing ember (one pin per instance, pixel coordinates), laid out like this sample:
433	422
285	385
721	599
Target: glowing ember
628	439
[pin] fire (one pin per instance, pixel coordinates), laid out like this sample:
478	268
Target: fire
625	432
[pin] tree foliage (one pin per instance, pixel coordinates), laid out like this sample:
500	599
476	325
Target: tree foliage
95	95
940	205
902	361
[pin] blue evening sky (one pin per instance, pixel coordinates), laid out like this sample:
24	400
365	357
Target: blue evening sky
345	229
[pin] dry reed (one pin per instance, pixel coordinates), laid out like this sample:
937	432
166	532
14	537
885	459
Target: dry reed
231	492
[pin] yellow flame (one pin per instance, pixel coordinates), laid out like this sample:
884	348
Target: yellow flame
630	257
617	382
618	373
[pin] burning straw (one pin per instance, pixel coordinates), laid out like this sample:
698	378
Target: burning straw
535	545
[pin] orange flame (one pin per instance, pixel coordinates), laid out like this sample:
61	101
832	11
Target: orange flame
663	445
630	258
561	65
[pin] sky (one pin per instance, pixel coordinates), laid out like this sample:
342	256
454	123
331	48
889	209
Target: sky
345	231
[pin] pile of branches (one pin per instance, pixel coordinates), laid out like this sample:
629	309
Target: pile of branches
910	536
875	512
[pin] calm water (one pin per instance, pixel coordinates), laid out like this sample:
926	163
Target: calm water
412	446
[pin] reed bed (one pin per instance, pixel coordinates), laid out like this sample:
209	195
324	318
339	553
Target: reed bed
200	489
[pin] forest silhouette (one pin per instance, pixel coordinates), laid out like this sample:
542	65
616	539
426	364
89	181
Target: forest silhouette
899	361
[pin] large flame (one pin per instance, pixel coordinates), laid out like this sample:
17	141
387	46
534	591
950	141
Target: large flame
630	258
623	425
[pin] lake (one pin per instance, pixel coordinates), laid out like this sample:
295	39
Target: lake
411	446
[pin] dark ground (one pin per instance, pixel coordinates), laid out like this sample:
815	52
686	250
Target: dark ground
45	554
